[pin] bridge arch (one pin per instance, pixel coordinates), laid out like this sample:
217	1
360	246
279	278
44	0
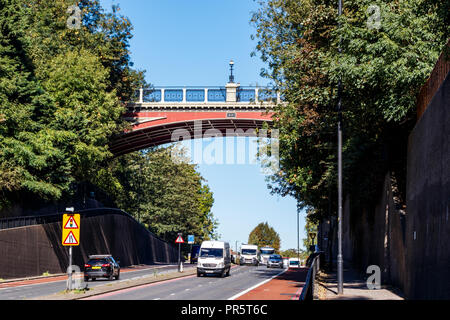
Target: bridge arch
160	115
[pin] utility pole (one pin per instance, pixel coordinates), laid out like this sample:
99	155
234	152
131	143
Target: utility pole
298	231
340	275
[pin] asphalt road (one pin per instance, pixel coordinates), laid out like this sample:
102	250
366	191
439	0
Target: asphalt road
208	287
47	288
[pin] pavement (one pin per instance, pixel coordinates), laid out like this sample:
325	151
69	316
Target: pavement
355	288
286	286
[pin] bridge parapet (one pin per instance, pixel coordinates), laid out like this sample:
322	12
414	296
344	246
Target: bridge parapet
230	96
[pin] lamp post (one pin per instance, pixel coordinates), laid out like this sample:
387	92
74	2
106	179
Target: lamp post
340	276
231	80
298	231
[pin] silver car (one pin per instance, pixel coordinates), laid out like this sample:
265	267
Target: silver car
275	260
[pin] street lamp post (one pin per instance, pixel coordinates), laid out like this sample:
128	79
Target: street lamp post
340	276
231	80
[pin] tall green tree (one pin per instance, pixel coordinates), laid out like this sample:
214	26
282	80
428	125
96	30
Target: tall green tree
62	91
167	195
85	111
30	160
264	235
381	69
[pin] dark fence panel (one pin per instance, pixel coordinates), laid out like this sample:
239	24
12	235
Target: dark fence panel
36	248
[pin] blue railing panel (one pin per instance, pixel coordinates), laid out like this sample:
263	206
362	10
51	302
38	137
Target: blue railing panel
246	95
152	95
195	95
217	95
173	95
267	94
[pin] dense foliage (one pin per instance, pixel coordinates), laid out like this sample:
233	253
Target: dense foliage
60	97
264	235
165	194
63	82
382	68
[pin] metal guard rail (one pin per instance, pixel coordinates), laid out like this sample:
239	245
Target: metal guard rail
314	265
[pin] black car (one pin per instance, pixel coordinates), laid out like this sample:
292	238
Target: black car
275	260
101	266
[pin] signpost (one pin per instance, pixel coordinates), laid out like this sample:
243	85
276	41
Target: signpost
179	241
190	241
70	237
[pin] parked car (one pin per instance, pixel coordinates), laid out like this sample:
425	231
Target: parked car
275	260
101	266
214	258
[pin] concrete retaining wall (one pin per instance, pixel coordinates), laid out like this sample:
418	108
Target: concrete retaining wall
428	200
412	248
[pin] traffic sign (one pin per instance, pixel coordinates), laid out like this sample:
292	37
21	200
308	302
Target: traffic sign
179	239
190	239
71	223
71	230
71	240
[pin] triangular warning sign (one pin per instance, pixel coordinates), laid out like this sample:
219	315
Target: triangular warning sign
179	240
70	239
71	223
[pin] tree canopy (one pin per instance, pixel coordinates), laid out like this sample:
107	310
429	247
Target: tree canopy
61	92
264	235
381	70
64	81
167	195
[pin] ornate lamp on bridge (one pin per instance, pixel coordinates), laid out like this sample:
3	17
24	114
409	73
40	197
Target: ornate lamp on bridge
231	87
231	71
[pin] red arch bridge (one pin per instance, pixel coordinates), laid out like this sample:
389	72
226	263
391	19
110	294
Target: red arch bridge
169	114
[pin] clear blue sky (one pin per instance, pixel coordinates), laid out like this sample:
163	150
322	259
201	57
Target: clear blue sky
190	43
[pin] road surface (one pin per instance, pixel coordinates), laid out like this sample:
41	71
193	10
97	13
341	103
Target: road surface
241	280
49	286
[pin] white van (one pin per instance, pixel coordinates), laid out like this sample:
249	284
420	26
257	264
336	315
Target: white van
249	254
214	258
265	253
294	263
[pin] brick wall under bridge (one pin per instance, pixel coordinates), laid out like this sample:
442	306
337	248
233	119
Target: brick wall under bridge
35	249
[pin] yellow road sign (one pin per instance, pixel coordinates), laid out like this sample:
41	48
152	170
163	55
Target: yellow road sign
71	230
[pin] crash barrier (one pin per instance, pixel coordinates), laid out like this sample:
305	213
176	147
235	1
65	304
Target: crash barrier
313	262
